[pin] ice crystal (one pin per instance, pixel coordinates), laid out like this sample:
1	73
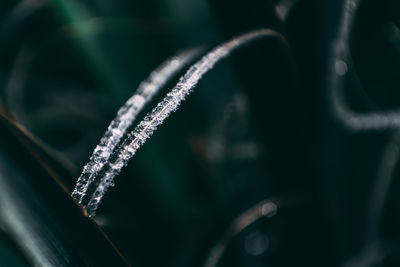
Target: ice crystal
125	117
169	104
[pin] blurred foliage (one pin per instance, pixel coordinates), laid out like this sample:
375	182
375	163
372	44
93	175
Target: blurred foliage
257	127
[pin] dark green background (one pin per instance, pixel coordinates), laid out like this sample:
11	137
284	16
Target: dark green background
66	66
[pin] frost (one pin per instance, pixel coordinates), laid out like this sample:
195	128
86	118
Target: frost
125	117
168	105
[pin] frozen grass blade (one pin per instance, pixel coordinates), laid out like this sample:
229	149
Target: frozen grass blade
126	115
169	104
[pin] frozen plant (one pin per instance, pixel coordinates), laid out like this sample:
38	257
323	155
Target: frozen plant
125	117
157	116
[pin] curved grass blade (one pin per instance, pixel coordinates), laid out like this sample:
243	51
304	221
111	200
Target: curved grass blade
265	208
126	115
169	104
340	62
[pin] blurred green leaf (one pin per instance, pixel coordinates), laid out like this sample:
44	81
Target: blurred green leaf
37	212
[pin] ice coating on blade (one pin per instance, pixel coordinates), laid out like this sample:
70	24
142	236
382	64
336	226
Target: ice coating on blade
126	115
169	104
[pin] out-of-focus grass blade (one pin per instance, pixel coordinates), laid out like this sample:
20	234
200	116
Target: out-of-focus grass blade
37	212
62	168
